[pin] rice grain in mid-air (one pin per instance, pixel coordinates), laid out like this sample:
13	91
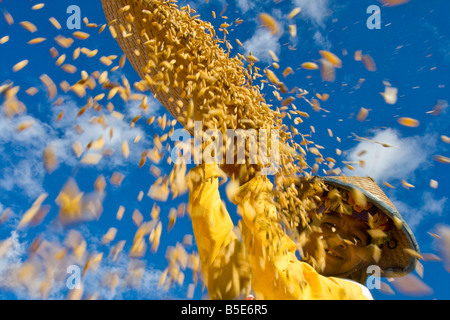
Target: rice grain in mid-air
20	65
37	40
269	22
27	25
408	122
294	12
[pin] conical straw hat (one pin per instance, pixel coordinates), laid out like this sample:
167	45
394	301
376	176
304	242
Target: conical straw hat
394	261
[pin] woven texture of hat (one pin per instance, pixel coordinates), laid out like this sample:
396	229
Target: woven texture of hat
145	32
394	261
367	184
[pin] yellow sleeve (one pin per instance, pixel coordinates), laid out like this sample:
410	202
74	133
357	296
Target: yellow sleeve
225	267
277	274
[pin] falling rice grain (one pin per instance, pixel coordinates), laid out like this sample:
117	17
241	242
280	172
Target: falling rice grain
362	114
293	30
80	35
332	58
31	91
411	285
434	184
125	149
369	63
38	6
36	40
50	159
24	125
390	95
69	68
60	60
109	236
106	61
406	184
310	66
388	185
117	178
120	212
55	23
63	41
77	148
269	22
4	39
294	12
445	139
91	158
50	85
441	159
31	213
8	17
393	3
20	65
408	122
27	25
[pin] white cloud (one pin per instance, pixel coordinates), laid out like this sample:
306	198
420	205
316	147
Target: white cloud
397	162
10	261
121	131
142	285
246	5
414	215
261	42
406	157
22	171
12	255
321	40
27	175
316	11
21	166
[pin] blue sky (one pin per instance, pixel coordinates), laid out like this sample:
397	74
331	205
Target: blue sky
411	51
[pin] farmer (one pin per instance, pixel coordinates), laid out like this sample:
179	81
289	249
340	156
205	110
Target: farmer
263	261
181	63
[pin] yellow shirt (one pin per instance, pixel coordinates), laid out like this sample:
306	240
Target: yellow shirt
264	258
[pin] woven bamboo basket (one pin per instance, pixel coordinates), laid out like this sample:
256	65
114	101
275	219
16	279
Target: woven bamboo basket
180	60
136	29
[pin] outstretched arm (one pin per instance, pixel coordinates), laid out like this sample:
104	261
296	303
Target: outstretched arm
276	271
224	264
